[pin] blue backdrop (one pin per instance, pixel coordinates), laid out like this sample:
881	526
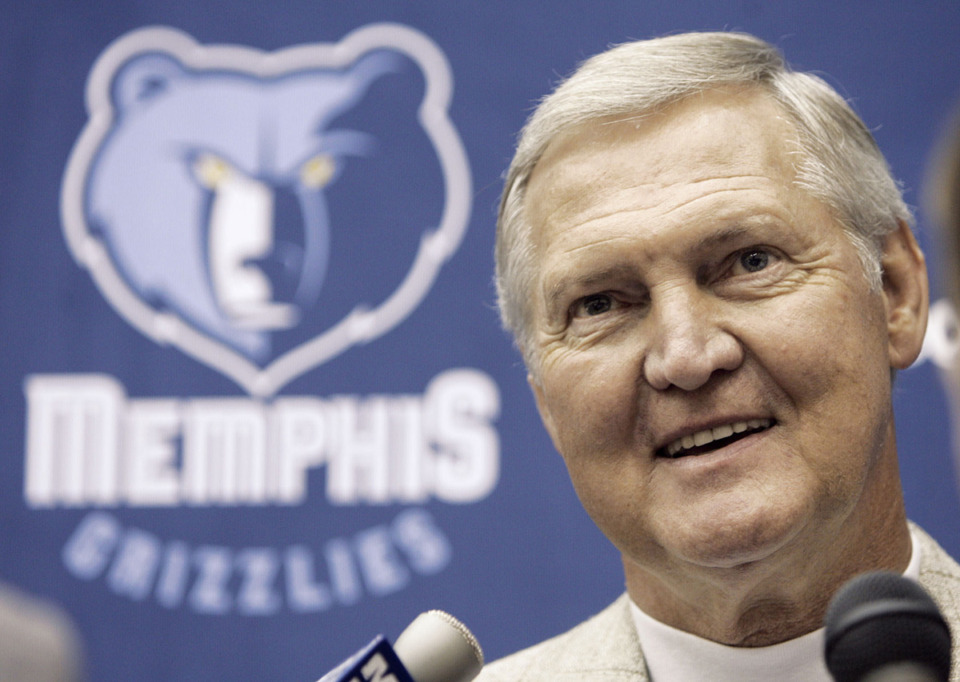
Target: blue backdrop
256	403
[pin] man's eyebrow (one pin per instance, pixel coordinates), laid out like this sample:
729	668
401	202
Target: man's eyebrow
555	292
624	271
722	236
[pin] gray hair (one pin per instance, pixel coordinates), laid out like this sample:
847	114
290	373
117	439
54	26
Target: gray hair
839	162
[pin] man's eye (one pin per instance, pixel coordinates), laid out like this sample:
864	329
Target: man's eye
754	260
596	304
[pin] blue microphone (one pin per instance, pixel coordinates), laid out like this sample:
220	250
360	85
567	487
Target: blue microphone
435	647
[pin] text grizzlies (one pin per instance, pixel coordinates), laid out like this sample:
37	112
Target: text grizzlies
88	444
257	581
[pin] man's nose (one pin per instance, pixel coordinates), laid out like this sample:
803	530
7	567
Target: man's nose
687	341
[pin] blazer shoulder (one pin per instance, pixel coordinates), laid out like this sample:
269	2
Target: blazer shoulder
604	647
939	574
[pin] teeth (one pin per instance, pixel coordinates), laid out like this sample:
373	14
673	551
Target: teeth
709	435
723	431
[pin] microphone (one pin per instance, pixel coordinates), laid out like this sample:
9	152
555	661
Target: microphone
882	627
435	647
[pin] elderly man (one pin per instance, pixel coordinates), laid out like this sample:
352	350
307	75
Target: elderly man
712	278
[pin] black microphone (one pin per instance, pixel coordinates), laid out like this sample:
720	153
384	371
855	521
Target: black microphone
435	647
883	627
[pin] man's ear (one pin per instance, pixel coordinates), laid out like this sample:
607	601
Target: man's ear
545	415
906	295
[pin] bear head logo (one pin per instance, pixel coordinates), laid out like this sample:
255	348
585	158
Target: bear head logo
264	212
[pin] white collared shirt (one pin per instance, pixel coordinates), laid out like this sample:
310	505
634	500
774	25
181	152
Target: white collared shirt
676	656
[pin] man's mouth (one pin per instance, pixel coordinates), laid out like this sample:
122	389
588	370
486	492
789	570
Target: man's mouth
709	440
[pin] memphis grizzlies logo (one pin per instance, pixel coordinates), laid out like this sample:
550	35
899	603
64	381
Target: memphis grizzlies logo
264	212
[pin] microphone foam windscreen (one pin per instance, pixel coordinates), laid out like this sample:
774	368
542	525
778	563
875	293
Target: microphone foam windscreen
883	618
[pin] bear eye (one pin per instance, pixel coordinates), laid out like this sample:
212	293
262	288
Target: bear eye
318	171
210	170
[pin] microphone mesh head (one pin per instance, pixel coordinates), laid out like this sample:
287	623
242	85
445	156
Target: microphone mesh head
882	618
464	630
436	647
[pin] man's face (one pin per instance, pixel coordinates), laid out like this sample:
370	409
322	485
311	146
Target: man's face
711	361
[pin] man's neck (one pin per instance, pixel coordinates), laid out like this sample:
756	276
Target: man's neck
772	600
672	655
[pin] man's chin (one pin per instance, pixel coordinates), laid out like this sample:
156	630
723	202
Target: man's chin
741	544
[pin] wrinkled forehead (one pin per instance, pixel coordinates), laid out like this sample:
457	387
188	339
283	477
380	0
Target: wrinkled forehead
721	133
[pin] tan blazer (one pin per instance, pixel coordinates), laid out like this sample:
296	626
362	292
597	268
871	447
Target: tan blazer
606	648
